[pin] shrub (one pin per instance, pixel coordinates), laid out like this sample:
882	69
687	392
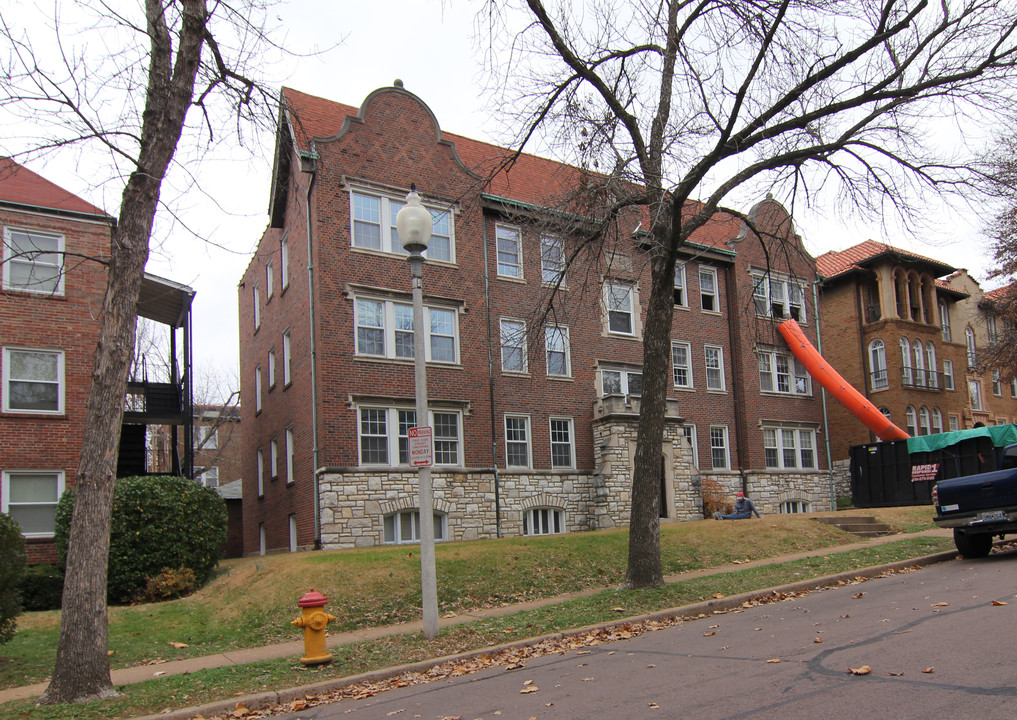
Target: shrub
159	521
170	584
42	587
715	499
12	569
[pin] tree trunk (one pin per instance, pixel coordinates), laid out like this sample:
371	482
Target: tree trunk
644	568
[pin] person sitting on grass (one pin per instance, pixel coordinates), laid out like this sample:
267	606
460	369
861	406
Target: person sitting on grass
743	509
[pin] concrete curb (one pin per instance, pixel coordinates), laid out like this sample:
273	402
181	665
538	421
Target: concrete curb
707	607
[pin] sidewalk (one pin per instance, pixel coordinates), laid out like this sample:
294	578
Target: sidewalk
139	673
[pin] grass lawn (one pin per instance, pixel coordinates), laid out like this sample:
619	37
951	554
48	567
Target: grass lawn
252	601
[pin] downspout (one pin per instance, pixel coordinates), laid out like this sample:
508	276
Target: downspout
490	384
734	340
308	162
826	420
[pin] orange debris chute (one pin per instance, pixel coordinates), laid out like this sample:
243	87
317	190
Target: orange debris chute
836	385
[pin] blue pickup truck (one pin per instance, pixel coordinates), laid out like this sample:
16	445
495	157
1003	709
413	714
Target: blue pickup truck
979	507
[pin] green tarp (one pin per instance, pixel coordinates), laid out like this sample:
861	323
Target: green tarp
999	434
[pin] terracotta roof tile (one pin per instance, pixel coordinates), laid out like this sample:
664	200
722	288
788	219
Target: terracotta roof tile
528	178
836	262
20	185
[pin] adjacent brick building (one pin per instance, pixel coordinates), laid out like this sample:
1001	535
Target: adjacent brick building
534	415
905	331
53	281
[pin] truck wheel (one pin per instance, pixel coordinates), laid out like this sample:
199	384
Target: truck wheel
972	545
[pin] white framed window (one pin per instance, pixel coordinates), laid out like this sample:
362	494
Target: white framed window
543	521
948	375
374	226
206	438
714	355
557	351
681	295
990	326
30	497
510	251
33	381
33	261
944	319
404	527
907	375
621	381
271	368
954	422
937	420
689	431
708	295
911	420
781	373
273	459
261	472
778	296
284	263
972	350
932	374
385	329
997	384
786	448
681	364
269	280
1013	387
562	446
383	434
877	365
924	421
256	297
290	456
517	441
719	452
552	260
975	393
619	299
793	507
210	477
257	389
293	533
513	345
919	351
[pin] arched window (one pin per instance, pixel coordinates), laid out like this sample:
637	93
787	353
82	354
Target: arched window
905	356
919	363
969	337
886	413
543	521
931	374
877	364
924	420
911	418
792	507
937	420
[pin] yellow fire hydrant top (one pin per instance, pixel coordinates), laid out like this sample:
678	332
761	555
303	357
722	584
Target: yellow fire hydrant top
314	620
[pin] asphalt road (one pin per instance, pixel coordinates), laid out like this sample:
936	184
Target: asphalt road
937	646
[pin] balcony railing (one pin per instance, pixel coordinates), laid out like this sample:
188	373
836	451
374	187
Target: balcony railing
919	379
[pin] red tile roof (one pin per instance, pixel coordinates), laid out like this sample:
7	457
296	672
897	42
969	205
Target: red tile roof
20	185
528	178
1001	294
837	262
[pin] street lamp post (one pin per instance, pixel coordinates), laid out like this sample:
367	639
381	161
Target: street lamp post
414	224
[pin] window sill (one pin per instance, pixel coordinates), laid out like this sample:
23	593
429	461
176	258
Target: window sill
509	278
560	378
516	374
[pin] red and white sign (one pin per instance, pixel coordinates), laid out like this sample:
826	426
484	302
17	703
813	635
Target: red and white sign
924	473
420	447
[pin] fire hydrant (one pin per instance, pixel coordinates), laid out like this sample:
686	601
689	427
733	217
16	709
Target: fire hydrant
313	621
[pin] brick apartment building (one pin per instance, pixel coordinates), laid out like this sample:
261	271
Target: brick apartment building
907	330
534	417
50	301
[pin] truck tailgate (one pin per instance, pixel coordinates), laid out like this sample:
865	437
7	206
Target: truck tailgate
986	491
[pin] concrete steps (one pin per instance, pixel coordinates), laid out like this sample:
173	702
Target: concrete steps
860	525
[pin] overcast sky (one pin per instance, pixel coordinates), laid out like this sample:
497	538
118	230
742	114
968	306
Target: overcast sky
430	46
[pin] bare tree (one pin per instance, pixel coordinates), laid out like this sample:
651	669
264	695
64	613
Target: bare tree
1000	163
159	60
679	101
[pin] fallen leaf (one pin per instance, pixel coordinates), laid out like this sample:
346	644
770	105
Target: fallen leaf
718	596
179	645
858	596
157	674
928	670
114	652
240	710
998	603
654	706
863	670
528	682
529	689
818	639
941	604
396	712
618	609
708	634
650	666
773	660
714	627
298	705
894	674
